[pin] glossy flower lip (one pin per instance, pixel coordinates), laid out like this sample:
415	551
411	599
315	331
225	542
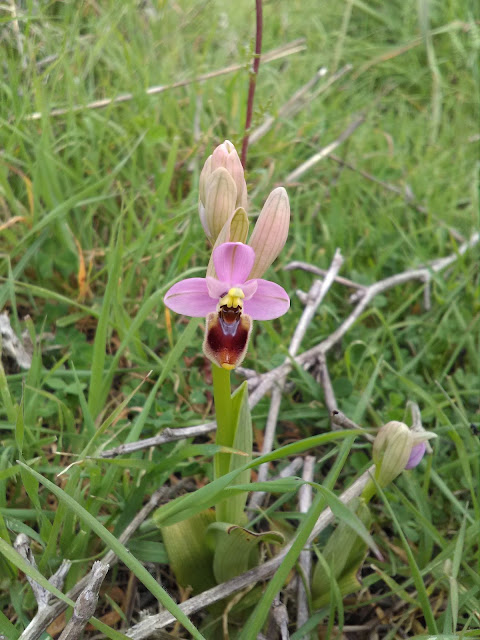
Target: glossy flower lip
260	299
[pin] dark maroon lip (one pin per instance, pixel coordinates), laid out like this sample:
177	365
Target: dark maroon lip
227	335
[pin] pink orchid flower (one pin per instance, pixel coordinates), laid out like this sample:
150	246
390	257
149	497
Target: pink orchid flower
416	455
229	302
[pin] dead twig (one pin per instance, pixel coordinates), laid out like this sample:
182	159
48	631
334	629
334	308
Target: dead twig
317	293
279	616
326	383
275	54
42	596
305	560
86	603
340	420
167	435
264	382
323	153
311	268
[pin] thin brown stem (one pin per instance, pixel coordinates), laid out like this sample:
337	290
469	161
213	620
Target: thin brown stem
253	79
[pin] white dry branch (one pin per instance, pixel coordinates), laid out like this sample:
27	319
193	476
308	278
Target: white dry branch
311	268
276	54
279	615
147	627
323	153
317	293
86	603
167	435
13	346
42	596
305	561
363	297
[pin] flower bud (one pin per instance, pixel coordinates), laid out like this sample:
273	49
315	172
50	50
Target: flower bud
270	232
225	155
221	194
396	448
391	451
222	189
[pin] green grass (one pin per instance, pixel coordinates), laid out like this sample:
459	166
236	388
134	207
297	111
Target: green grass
119	186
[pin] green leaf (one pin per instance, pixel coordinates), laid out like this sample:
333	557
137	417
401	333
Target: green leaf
343	554
185	506
190	557
97	389
236	548
343	513
233	509
20	424
7	628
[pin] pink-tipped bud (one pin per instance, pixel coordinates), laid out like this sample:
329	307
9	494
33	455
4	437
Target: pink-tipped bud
222	189
220	201
271	231
225	155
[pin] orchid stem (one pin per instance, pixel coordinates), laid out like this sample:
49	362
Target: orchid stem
253	79
222	395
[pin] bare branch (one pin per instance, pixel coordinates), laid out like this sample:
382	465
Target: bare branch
305	561
265	381
316	294
42	596
326	383
167	435
280	618
311	268
341	420
86	603
275	54
12	345
323	153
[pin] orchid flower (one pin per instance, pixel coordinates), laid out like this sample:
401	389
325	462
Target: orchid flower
229	302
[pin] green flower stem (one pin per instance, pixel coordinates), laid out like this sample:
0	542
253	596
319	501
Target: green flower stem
369	491
222	395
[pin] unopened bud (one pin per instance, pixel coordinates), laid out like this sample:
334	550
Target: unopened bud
225	155
391	451
396	448
222	189
270	232
221	194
